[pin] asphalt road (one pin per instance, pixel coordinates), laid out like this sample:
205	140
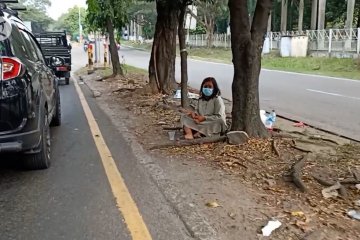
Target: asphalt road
332	104
73	198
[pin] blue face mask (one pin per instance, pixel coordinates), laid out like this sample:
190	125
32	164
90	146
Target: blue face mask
207	91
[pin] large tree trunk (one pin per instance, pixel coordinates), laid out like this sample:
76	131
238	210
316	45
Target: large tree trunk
301	15
163	53
314	12
321	14
284	15
183	56
246	49
113	49
209	25
210	37
350	14
269	23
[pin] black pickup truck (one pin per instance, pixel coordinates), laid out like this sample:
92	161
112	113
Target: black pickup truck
56	44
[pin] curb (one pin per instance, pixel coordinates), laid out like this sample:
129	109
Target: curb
195	223
139	49
320	129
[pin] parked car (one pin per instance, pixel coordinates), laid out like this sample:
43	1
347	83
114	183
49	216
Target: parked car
56	44
29	95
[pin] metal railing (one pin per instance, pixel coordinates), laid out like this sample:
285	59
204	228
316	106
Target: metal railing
330	40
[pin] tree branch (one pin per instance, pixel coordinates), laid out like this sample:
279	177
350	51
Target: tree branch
182	143
260	20
195	16
238	10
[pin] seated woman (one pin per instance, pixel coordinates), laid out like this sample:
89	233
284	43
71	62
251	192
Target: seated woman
209	118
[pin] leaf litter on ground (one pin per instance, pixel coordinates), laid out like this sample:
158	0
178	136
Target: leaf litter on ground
254	162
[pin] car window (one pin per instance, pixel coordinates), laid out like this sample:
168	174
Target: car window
29	46
3	48
37	49
17	44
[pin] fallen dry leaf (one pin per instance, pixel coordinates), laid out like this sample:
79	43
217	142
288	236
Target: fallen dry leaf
212	204
276	190
297	213
232	215
332	191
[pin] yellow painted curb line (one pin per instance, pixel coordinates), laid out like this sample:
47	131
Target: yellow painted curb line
124	201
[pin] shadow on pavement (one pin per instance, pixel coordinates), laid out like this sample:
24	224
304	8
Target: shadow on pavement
10	162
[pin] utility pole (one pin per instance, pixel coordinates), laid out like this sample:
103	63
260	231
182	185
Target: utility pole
314	13
80	27
349	22
321	14
284	15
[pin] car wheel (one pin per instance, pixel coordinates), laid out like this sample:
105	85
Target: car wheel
56	121
67	81
41	160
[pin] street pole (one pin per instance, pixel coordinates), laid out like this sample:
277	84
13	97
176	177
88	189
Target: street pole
80	28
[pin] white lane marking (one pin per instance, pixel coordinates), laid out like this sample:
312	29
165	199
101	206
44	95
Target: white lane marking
333	94
267	70
312	75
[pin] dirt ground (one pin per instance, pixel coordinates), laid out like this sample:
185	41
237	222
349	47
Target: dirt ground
239	188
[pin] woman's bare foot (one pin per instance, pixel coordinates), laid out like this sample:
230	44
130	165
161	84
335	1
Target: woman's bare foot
189	137
188	133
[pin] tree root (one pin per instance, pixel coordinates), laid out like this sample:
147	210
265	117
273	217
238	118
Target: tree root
124	90
282	135
275	148
356	175
301	149
182	143
172	128
107	77
296	172
165	106
351	181
314	137
330	183
297	132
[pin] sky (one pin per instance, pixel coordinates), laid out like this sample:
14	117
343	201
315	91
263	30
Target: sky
59	7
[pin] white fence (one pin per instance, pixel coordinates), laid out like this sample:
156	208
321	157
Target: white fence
329	40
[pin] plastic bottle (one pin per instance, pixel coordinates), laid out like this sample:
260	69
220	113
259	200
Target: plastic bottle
271	118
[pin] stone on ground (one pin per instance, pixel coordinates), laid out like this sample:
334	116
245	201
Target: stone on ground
237	137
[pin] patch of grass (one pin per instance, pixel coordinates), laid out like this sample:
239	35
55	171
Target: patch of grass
104	72
108	71
335	67
219	54
145	46
135	70
81	71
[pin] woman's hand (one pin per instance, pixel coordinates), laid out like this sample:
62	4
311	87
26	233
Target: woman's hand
199	119
193	115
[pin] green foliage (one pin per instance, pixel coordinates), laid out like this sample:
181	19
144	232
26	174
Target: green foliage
36	12
200	29
222	21
213	11
70	21
100	10
144	13
36	4
335	14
